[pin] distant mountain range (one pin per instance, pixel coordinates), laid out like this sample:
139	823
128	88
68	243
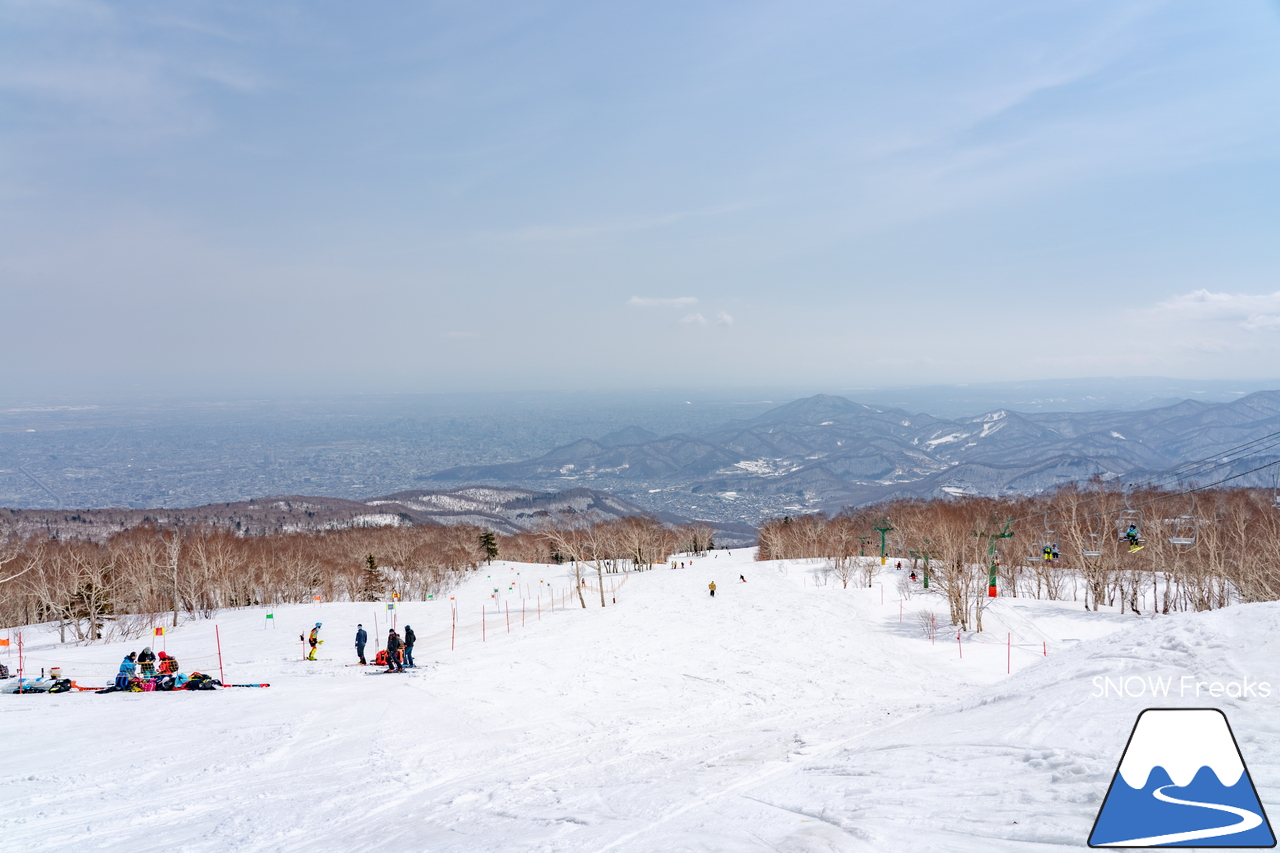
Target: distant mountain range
826	452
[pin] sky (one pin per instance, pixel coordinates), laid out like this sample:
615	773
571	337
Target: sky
448	196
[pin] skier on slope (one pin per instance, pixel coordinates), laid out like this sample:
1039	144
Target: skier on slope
393	652
409	640
742	578
712	586
361	639
315	641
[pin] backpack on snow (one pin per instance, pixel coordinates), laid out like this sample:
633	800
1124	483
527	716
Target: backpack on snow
200	681
381	659
4	671
62	685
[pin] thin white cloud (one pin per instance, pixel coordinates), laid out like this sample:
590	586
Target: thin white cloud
1249	312
721	318
661	302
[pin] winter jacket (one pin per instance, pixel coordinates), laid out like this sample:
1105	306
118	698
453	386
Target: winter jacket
409	637
128	667
393	643
712	586
315	636
361	637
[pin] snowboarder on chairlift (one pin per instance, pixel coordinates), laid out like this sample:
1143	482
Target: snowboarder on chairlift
315	641
1135	540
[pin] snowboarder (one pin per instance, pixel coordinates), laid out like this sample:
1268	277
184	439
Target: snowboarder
712	586
1048	553
393	652
899	565
913	574
409	640
315	641
741	578
147	662
361	639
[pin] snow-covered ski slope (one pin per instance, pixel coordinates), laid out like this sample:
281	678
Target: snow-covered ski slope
777	716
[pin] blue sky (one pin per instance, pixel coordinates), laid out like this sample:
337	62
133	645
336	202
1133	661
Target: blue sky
443	196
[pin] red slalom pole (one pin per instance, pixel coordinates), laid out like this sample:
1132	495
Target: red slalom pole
1046	648
218	638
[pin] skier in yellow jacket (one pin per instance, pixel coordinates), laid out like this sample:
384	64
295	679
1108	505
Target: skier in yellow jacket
712	586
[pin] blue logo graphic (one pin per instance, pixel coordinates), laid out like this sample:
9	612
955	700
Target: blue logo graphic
1182	783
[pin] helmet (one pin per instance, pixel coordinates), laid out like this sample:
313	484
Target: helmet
317	624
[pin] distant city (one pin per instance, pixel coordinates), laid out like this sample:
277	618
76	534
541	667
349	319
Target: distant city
169	453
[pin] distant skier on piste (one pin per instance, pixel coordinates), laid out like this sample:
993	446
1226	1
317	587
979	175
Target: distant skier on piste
393	652
361	639
315	641
712	586
742	578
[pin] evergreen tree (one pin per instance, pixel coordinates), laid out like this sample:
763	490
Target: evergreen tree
489	544
373	583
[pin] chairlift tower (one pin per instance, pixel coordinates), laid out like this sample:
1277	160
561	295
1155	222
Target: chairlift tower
883	526
992	538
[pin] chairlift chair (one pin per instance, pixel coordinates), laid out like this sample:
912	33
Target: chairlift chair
1185	527
1094	548
1275	491
1129	518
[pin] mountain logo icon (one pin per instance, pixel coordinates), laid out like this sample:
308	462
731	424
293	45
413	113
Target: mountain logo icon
1182	782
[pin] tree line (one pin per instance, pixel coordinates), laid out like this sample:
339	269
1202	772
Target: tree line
120	584
1184	551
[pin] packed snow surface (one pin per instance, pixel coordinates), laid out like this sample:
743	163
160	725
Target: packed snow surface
784	714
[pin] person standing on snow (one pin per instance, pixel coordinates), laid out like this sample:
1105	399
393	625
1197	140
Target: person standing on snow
315	641
361	639
409	640
712	586
393	652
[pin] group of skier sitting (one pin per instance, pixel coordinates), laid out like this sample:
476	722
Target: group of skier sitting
146	671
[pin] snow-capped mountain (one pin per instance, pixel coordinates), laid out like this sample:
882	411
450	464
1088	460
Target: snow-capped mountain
827	451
